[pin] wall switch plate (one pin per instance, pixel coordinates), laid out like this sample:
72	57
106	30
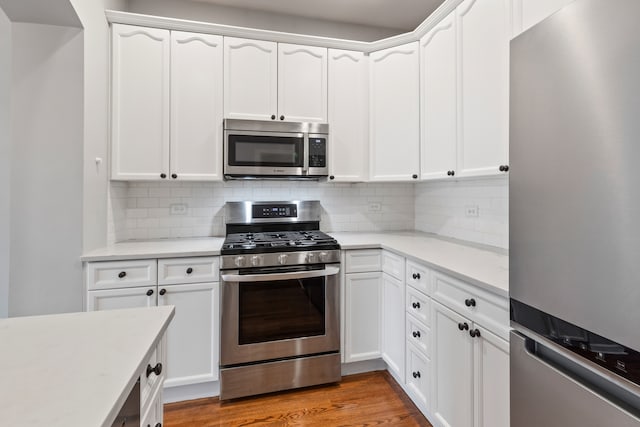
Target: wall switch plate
374	207
472	210
178	209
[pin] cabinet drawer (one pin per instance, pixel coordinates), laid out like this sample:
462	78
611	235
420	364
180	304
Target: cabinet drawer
489	310
418	377
419	335
363	261
419	306
418	277
393	265
121	274
150	383
173	271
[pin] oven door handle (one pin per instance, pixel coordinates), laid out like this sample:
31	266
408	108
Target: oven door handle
328	271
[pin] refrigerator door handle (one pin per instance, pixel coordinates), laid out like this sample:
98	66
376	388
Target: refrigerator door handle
554	358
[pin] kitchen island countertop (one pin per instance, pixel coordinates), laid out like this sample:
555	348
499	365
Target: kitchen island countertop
75	369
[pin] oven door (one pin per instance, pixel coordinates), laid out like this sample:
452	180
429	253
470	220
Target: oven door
265	153
269	315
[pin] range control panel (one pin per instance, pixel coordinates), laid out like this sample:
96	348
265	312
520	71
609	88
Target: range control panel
275	211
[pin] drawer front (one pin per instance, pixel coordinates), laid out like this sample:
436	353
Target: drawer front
393	265
172	271
150	383
418	377
489	310
121	274
419	277
419	335
419	305
363	261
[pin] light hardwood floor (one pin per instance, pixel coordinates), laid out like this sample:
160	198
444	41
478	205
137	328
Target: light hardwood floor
370	399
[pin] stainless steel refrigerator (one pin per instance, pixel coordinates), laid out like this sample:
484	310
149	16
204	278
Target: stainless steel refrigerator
575	218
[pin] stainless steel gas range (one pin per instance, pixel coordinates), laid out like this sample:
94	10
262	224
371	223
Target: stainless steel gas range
280	325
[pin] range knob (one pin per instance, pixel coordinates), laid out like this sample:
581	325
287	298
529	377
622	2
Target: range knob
324	256
239	261
255	261
282	259
311	257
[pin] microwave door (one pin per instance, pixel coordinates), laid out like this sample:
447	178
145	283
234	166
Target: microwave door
264	154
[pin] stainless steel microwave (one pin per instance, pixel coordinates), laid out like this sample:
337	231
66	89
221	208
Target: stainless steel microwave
261	149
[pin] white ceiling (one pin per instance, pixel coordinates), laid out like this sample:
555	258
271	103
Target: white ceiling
398	14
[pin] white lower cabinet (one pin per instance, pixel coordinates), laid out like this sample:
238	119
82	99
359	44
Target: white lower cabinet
191	348
418	377
362	311
393	324
470	372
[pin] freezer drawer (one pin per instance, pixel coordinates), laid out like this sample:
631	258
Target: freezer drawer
548	390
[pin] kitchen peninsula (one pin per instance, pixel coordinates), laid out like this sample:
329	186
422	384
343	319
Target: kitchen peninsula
77	369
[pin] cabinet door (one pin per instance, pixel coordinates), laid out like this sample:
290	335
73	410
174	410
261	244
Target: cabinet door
250	79
393	338
452	393
418	377
528	13
483	32
302	83
196	106
394	113
140	103
348	112
362	315
192	336
113	299
491	378
438	100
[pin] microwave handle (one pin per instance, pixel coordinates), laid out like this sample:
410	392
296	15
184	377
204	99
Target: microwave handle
305	163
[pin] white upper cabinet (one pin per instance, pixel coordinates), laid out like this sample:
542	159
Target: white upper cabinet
394	113
196	106
271	81
527	13
483	33
140	102
250	79
348	115
438	100
302	83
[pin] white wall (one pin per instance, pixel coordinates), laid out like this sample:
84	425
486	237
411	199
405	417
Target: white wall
201	11
5	163
46	174
441	208
142	210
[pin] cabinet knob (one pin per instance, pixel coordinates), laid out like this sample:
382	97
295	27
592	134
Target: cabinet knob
122	274
332	177
155	370
463	326
158	425
174	175
273	117
416	374
150	292
474	333
470	302
416	305
281	117
163	175
506	168
416	276
453	173
414	176
189	270
416	334
162	291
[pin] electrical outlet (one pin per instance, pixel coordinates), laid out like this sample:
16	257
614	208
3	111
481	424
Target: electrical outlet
374	207
472	210
178	209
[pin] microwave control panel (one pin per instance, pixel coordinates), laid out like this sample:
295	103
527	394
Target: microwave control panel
317	152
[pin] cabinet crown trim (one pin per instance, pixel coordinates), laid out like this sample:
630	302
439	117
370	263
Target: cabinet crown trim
196	38
139	32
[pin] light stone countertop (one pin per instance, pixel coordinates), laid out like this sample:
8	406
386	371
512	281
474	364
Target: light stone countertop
76	369
482	266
